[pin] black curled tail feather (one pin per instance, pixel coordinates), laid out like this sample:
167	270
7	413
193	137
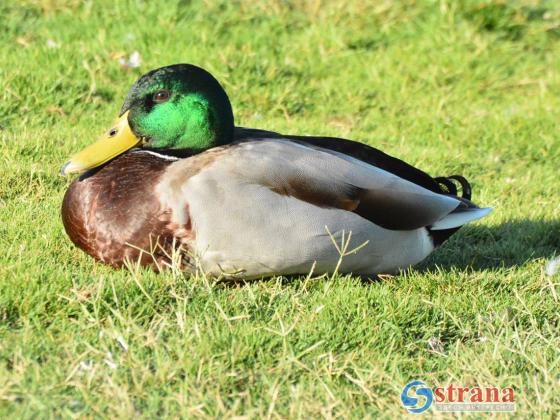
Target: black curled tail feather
448	186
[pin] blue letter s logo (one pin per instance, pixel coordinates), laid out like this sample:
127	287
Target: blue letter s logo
411	403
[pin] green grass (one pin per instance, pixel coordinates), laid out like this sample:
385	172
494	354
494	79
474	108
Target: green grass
467	87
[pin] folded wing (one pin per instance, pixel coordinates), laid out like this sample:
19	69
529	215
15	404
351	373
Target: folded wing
330	179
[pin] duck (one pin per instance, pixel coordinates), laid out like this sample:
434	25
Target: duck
175	183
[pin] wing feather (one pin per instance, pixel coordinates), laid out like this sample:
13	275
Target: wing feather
328	178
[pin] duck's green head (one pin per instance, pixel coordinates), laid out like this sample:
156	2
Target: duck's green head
175	107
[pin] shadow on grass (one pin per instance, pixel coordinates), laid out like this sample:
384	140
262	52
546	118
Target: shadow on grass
510	244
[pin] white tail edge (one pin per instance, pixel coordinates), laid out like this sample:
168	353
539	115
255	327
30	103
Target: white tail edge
460	217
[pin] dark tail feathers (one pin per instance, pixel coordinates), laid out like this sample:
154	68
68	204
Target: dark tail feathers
448	185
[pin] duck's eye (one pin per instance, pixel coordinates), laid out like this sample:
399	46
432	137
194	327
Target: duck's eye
161	96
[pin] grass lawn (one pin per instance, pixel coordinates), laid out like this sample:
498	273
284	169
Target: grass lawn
468	87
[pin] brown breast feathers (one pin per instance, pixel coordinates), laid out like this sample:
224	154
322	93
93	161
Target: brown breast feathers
114	215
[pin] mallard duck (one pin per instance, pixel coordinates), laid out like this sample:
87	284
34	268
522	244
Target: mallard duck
175	176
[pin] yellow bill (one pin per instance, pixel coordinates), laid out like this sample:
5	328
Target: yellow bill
118	140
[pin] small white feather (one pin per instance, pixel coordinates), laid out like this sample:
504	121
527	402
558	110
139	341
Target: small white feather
553	266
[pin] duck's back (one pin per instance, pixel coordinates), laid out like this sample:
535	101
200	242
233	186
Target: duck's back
372	156
355	149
